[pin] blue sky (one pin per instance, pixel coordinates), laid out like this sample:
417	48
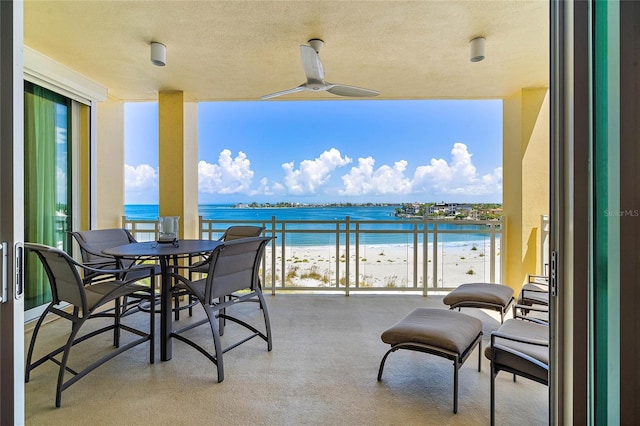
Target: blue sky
330	151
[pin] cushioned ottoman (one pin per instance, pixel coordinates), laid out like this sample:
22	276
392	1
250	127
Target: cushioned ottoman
481	295
447	334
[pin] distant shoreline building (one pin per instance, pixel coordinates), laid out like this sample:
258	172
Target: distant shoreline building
444	210
450	209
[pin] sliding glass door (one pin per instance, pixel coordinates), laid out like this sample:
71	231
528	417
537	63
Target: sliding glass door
47	187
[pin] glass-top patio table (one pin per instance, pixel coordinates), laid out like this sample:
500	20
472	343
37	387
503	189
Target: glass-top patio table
164	253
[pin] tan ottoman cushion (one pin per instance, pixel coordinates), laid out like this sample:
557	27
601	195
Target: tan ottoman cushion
496	294
450	330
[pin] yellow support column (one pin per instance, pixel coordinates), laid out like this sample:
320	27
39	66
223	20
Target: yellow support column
110	165
525	177
84	154
178	160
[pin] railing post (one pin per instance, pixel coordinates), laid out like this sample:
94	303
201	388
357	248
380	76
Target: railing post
283	249
435	254
347	227
492	254
337	255
415	255
357	255
503	249
274	247
425	256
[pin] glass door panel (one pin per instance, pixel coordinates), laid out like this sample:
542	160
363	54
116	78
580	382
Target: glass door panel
47	143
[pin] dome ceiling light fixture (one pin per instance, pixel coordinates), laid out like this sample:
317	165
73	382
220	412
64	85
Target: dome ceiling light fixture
158	54
477	49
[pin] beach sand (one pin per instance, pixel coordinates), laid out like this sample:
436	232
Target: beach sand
383	266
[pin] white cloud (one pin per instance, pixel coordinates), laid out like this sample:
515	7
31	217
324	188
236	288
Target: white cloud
140	178
364	180
228	176
458	177
265	189
61	135
141	184
278	188
61	183
439	178
312	174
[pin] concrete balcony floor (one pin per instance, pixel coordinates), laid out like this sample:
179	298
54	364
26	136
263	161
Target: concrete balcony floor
322	371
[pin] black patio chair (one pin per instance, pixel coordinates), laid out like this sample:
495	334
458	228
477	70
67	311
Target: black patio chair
232	233
233	267
77	302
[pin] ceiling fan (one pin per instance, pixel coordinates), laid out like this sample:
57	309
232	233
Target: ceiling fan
315	76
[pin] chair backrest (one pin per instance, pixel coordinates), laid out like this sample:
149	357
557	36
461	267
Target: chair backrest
92	243
64	278
241	231
234	266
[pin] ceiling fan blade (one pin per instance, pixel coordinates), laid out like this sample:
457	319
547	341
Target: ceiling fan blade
284	92
311	63
344	90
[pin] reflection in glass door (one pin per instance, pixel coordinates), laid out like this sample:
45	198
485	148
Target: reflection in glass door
47	142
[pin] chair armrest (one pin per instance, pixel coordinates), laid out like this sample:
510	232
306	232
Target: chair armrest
99	265
536	308
199	263
87	267
98	254
532	319
538	279
179	277
519	312
537	290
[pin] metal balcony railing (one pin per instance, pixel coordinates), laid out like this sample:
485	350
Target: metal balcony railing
345	255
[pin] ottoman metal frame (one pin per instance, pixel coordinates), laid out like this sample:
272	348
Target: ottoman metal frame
457	358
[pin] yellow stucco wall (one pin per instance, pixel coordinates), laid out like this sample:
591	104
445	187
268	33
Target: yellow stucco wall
525	177
177	160
110	165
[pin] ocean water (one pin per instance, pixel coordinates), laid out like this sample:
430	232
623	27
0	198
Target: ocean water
394	232
222	212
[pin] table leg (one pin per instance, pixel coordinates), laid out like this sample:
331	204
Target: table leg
165	311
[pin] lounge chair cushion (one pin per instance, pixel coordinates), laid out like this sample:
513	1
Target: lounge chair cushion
481	293
449	330
526	330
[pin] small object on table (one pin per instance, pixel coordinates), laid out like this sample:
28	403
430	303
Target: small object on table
168	227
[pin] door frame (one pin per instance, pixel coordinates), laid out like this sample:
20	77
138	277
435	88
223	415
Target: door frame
11	210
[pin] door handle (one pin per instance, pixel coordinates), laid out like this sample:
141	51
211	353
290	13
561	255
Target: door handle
3	272
553	279
19	271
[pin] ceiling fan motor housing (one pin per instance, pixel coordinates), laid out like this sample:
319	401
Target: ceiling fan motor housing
317	44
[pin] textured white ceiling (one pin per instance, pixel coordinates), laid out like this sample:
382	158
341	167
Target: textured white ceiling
240	50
